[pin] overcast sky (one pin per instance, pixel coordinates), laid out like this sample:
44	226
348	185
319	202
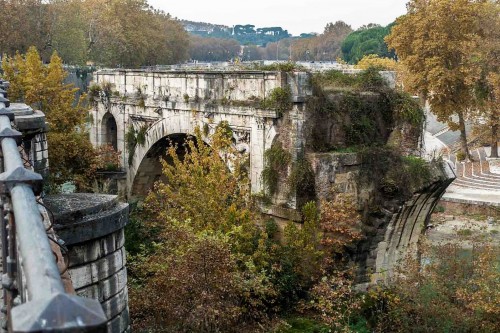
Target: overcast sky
296	16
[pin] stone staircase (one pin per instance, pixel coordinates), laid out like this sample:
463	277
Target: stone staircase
476	174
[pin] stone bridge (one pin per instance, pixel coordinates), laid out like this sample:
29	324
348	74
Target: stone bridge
172	104
165	106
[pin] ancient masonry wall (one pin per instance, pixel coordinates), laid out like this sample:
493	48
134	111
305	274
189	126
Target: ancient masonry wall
92	227
392	233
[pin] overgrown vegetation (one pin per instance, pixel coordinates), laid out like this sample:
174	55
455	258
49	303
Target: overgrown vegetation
301	181
359	110
108	158
392	173
141	97
279	99
276	161
134	137
451	290
288	66
209	262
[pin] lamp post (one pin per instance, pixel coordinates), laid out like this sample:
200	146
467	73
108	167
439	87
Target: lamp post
277	50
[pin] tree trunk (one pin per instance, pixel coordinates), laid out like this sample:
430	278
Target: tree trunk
494	139
463	137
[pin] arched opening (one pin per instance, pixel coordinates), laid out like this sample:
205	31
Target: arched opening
109	131
150	168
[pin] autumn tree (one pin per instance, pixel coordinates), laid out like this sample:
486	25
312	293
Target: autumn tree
323	47
116	33
71	155
381	63
436	41
126	33
487	88
25	23
204	272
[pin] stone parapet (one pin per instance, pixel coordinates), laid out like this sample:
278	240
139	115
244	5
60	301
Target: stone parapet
92	227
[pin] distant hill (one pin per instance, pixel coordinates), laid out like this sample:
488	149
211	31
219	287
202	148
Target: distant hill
244	34
199	27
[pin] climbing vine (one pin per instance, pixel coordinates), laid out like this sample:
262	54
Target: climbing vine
276	161
134	137
301	179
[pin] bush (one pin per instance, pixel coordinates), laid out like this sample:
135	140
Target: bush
460	156
279	99
451	290
108	158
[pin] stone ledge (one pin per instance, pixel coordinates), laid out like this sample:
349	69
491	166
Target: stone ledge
283	212
94	226
73	207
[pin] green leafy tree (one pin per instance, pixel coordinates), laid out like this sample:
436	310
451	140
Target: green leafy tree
366	40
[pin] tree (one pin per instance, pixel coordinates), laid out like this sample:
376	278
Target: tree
373	60
113	33
323	47
71	155
488	86
213	49
206	269
25	23
435	42
366	40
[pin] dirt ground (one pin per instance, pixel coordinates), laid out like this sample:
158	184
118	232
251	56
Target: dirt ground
445	228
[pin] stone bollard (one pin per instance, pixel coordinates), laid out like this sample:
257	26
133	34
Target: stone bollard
92	227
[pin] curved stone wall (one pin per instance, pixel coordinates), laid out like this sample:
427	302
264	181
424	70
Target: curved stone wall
92	227
407	223
394	230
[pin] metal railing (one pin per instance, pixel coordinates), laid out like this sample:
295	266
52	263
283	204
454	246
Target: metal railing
34	296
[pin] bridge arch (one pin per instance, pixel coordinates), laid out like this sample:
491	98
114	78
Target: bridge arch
146	158
109	131
150	168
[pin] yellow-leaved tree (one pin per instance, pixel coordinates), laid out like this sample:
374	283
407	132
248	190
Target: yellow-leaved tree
436	41
71	155
381	63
